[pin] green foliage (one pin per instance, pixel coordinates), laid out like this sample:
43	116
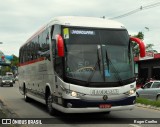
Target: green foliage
135	47
149	48
140	35
15	61
148	102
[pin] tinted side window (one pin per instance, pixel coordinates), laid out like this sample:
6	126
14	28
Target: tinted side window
43	45
156	85
21	55
25	55
148	85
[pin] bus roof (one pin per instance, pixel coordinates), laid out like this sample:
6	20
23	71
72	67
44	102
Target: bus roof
86	22
81	22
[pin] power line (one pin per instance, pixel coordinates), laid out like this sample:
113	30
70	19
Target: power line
137	10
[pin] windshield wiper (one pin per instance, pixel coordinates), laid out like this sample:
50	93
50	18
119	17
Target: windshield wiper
95	68
107	60
115	70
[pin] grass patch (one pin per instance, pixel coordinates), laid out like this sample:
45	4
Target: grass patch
147	102
2	114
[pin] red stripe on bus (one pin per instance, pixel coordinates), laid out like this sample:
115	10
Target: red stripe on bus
32	61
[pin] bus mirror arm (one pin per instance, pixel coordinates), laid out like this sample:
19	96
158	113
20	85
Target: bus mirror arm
141	45
60	45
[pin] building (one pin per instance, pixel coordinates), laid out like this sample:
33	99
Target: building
148	67
5	60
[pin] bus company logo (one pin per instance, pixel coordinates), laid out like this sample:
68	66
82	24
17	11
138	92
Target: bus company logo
105	97
105	92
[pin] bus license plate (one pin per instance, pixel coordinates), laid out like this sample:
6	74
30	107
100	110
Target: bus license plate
105	106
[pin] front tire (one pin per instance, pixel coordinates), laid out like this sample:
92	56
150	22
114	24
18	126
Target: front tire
137	95
50	109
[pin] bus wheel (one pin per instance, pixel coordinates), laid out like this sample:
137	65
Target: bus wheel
26	98
50	109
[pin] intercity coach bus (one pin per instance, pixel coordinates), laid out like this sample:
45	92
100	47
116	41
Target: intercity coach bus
79	65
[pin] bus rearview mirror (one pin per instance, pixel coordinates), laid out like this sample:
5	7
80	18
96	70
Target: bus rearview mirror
141	45
60	45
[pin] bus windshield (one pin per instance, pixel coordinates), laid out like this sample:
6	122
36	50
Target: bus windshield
98	56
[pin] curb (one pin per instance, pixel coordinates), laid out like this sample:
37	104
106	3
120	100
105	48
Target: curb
147	106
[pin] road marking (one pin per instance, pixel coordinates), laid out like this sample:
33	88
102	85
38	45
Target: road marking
134	125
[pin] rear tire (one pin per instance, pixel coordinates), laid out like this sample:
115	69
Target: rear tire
26	98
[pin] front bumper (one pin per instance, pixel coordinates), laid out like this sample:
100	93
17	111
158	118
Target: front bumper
3	84
90	109
85	106
7	84
80	103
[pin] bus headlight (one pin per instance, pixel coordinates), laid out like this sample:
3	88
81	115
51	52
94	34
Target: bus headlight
74	94
130	92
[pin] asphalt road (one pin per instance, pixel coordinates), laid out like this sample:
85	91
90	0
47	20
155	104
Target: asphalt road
15	102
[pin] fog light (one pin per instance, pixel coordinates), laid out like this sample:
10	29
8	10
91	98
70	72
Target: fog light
69	105
134	101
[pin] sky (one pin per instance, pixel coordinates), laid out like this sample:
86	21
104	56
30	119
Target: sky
20	19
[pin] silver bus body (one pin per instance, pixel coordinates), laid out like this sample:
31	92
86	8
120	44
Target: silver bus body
38	78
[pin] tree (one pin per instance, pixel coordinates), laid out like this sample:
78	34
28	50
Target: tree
150	49
135	47
14	63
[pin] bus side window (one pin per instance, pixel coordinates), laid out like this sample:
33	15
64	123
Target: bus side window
54	49
43	45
